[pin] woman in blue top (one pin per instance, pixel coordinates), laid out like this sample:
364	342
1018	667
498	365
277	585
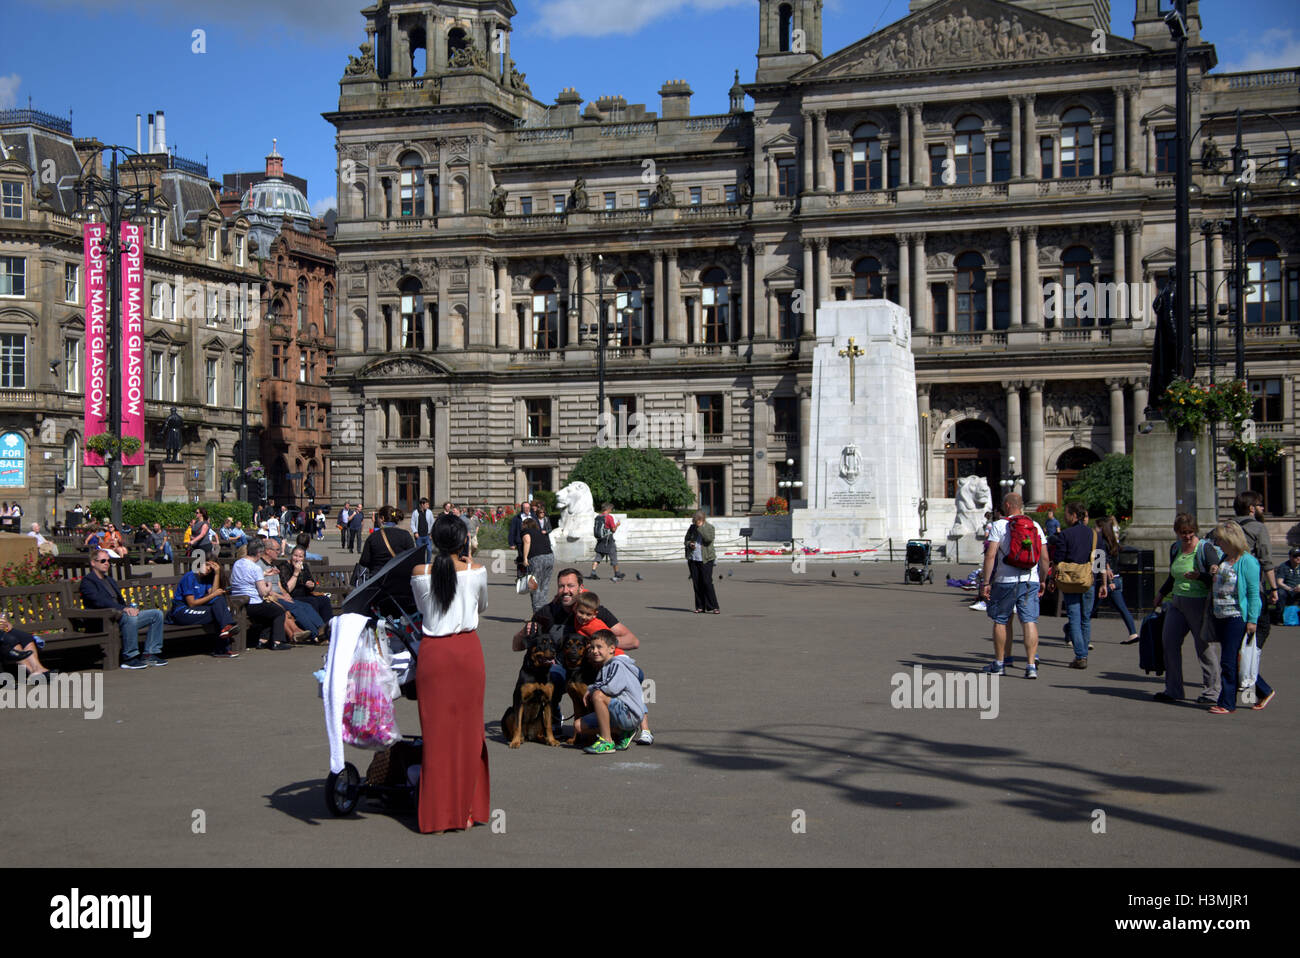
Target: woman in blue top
1235	606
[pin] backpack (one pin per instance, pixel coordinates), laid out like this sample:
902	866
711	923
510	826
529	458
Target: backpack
601	530
1024	549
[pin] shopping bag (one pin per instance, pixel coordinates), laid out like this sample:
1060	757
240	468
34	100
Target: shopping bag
1291	615
525	584
1248	664
368	718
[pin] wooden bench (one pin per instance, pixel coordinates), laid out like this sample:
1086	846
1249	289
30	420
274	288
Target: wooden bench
158	593
54	612
74	567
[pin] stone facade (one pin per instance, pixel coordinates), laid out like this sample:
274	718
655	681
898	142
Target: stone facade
959	162
198	267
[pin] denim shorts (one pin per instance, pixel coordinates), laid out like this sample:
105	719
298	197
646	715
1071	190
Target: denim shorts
620	717
1006	597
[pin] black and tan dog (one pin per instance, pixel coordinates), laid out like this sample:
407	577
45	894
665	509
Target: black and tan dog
530	715
581	673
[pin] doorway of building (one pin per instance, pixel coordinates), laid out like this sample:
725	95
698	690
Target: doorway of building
974	451
1068	466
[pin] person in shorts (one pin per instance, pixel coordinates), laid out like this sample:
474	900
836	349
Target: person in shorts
605	547
1009	590
614	695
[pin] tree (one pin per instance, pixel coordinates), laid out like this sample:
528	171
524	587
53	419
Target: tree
633	479
1105	487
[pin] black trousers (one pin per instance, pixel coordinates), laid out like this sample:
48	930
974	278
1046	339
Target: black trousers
216	611
268	614
702	579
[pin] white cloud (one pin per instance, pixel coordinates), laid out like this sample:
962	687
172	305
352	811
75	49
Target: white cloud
9	90
1271	49
598	18
321	207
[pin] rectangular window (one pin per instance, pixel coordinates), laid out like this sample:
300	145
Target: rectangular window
729	194
1001	161
939	307
155	375
711	416
1001	304
13	276
11	201
787	318
558	202
611	201
1293	295
538	413
713	489
210	380
277	415
893	166
210	313
408	418
214	243
1166	151
1267	394
72	365
785	415
71	284
526	205
303	368
837	164
157	309
173	377
1107	166
275	362
538	479
697	195
643	199
239	250
304	416
1048	168
787	176
622	409
13	361
938	157
238	397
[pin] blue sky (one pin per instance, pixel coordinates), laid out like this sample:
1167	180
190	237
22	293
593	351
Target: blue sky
271	67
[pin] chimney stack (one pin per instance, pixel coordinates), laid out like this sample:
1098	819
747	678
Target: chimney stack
274	161
161	129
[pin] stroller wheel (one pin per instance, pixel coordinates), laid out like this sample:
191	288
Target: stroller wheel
343	790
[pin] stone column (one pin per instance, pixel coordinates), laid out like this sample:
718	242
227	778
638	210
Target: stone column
590	304
442	445
918	146
575	302
988	158
805	437
660	334
676	319
1132	140
743	328
1117	257
446	314
390	410
505	62
1017	139
951	289
507	328
773	319
374	197
373	427
1035	468
885	145
431	44
397	65
904	150
1117	438
1121	130
823	159
809	148
1017	280
1214	277
823	270
809	323
1140	399
905	278
425	422
921	285
1056	158
1134	230
1033	287
1015	444
1031	139
925	431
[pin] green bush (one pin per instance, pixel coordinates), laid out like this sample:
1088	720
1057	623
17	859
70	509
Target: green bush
633	479
1105	487
174	514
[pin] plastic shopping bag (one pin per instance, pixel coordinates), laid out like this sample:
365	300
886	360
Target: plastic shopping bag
1248	664
368	718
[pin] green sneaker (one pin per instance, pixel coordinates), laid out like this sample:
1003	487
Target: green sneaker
600	746
626	741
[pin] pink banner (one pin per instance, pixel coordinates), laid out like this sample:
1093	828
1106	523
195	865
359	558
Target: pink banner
96	272
133	340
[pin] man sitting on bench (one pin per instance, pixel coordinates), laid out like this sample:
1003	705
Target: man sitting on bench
98	591
199	599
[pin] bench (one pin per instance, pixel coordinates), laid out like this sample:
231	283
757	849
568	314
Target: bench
54	612
74	567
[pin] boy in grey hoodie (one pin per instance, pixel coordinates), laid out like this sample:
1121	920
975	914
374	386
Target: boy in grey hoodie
614	695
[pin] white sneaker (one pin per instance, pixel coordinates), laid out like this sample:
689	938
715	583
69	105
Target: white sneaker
980	606
644	737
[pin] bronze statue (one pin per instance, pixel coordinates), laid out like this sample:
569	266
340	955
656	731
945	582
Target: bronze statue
172	431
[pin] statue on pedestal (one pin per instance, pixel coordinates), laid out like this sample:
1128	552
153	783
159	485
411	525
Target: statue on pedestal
173	429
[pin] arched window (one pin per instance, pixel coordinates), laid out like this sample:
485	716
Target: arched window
968	148
545	333
71	460
1076	270
715	297
456	40
974	451
628	310
1068	466
210	466
412	314
1076	143
328	303
302	304
866	158
786	26
972	299
1264	282
412	185
866	279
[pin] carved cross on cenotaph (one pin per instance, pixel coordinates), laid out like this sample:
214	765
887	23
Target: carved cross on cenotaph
852	352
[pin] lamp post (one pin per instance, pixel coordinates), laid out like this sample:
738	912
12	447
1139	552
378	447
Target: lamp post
790	485
1013	481
600	327
242	492
1185	444
108	201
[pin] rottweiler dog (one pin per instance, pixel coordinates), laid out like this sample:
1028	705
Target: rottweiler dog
581	673
530	715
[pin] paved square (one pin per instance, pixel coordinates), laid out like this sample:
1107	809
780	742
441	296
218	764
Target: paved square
777	745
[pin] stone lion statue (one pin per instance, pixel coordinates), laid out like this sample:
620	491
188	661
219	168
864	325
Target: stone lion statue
577	511
974	499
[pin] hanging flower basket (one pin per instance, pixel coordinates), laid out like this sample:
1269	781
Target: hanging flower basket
255	471
1190	405
1231	403
106	444
1262	452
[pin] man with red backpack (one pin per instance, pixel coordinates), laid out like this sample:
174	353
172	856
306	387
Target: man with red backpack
1015	568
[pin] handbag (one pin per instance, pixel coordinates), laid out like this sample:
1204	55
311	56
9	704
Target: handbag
525	583
1248	663
1075	578
368	717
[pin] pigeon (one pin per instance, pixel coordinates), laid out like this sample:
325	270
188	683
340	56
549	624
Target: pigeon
729	573
638	577
833	575
856	572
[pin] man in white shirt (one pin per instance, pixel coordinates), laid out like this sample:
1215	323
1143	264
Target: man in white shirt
43	545
1017	584
422	523
272	527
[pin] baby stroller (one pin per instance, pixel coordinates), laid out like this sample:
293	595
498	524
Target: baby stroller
918	568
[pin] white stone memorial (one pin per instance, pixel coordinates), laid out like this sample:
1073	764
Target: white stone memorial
864	478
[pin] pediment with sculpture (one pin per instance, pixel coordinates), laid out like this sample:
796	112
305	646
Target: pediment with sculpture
388	369
956	33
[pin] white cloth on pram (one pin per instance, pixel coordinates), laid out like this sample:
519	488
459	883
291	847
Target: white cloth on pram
345	632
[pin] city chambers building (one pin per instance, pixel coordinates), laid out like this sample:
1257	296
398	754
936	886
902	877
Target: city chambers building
977	162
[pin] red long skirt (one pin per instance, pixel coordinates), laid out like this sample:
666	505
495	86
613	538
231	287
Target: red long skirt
450	678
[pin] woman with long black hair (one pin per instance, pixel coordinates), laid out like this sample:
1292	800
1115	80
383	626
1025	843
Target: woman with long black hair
450	680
